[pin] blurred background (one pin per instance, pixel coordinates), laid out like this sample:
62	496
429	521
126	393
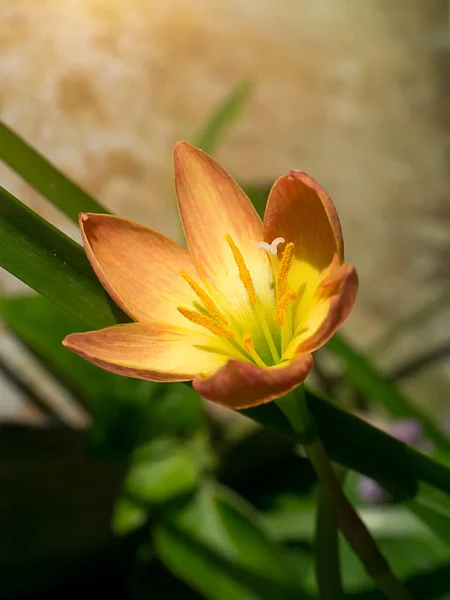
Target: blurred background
354	93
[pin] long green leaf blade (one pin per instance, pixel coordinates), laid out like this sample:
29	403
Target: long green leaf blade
52	264
37	171
358	445
222	117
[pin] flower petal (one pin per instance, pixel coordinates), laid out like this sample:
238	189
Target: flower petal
212	206
241	385
155	352
335	298
300	211
139	268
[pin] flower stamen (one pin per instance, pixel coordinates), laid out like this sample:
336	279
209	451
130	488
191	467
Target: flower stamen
205	321
283	317
204	298
244	273
282	304
283	270
283	312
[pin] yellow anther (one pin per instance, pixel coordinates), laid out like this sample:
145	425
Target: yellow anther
284	268
244	273
249	347
247	343
204	321
282	304
204	298
284	297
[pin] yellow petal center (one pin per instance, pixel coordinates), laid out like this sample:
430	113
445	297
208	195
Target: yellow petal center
274	325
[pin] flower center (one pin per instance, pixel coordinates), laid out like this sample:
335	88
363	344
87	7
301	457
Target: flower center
276	329
285	296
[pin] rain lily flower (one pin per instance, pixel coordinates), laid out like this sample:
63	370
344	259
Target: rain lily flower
239	313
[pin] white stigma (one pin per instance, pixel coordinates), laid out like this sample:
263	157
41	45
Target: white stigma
271	248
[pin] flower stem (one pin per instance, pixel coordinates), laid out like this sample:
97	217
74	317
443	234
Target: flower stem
352	526
348	521
328	574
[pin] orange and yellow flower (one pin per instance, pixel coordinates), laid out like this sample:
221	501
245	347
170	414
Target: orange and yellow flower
242	311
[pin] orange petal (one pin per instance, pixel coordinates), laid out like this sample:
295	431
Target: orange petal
241	385
338	293
139	268
155	352
300	211
212	206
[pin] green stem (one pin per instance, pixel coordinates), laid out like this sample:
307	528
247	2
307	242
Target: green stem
328	573
295	409
353	528
348	521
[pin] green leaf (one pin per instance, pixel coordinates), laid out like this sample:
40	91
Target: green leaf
44	177
216	544
222	117
162	475
52	264
56	266
367	378
357	445
128	516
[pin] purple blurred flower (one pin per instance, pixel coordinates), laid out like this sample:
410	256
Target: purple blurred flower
409	431
371	491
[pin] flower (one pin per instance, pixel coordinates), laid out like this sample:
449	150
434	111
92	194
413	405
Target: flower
241	312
